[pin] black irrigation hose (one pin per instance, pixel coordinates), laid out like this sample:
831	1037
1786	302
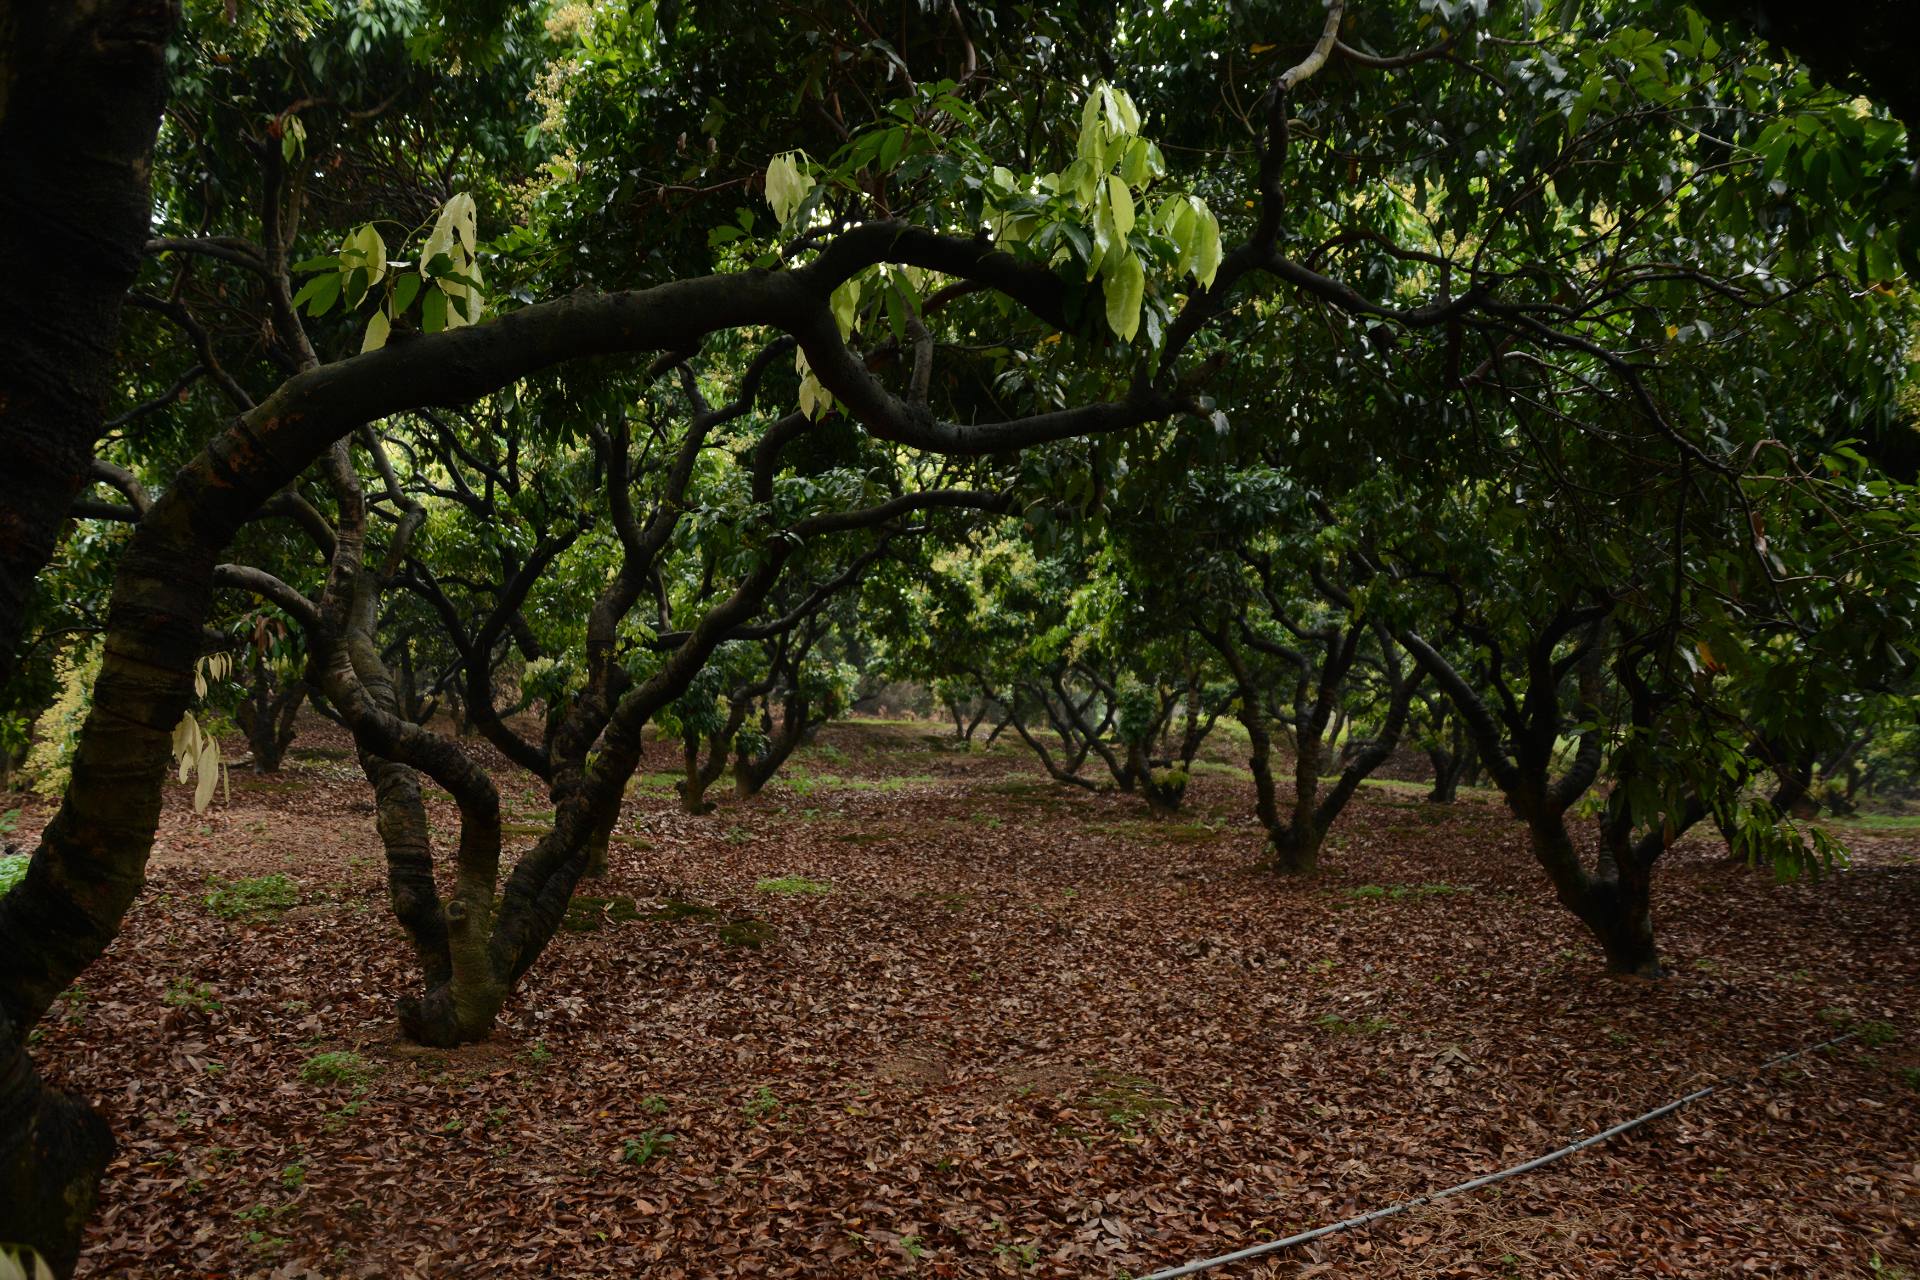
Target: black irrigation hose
1592	1140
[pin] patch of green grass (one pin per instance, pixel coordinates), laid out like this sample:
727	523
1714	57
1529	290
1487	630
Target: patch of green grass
1221	768
1869	1033
1162	832
339	1067
1127	1101
538	1054
746	932
762	1106
185	993
793	886
1875	1034
1399	892
252	898
684	909
1420	788
1036	789
1349	1027
805	782
587	915
1877	821
655	781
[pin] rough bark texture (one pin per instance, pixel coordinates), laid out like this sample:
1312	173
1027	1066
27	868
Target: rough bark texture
81	89
597	842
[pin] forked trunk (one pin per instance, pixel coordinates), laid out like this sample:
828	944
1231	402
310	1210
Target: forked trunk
699	774
1296	848
1447	768
1614	903
270	726
1164	790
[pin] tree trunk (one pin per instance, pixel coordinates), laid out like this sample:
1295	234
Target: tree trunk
1620	914
1163	791
53	1151
1447	768
701	774
597	841
1296	848
81	91
400	816
1615	904
270	721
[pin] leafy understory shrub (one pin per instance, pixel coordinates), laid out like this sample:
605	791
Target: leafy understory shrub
13	869
763	1105
337	1067
57	732
185	993
637	1151
792	885
252	897
1869	1033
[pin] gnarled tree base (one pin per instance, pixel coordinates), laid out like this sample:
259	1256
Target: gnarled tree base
53	1151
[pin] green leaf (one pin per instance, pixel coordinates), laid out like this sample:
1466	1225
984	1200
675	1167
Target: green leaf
377	329
845	302
365	247
1126	287
1207	254
1121	201
321	293
404	291
433	311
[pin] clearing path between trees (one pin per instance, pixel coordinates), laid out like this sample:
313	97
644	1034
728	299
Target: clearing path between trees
916	1012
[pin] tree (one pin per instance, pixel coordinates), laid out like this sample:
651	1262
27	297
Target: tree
996	293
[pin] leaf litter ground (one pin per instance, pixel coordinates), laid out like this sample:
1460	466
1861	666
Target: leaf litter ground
920	1013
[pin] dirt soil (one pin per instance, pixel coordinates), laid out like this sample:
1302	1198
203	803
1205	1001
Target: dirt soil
1022	1031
